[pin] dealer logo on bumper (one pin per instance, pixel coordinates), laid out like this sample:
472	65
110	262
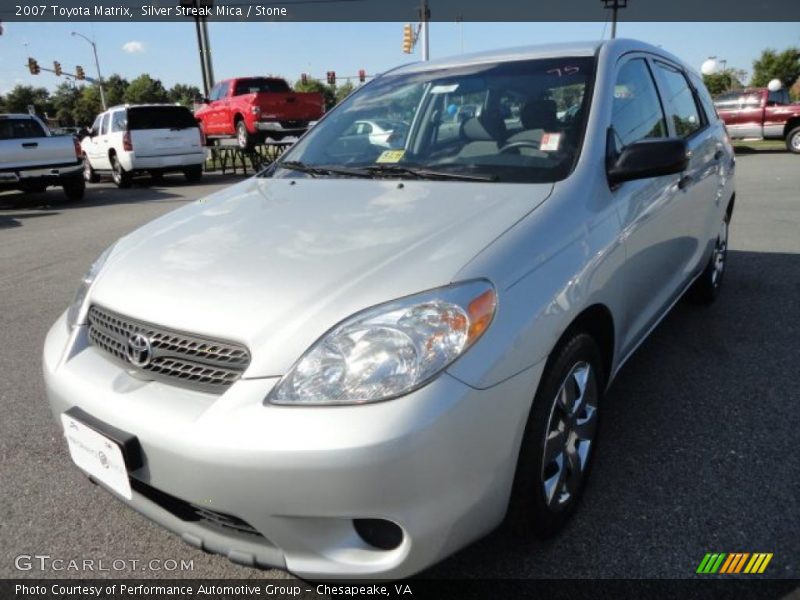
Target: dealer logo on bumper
138	350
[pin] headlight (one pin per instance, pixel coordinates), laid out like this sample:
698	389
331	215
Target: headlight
74	314
391	349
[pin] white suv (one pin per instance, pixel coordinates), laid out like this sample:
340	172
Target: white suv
153	138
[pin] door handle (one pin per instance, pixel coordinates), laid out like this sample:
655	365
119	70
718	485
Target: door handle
684	181
30	145
718	154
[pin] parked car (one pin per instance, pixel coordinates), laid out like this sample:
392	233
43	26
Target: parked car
761	114
381	132
252	108
143	138
363	359
31	159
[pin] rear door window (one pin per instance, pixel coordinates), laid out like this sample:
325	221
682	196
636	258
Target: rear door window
679	100
160	117
104	124
16	129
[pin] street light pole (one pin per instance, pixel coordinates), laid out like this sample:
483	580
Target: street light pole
97	65
425	14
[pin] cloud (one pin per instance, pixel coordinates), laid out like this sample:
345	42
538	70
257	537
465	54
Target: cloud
133	47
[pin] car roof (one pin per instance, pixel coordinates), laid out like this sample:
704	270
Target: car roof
616	47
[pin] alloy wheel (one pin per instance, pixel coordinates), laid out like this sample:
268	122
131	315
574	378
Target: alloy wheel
569	436
720	253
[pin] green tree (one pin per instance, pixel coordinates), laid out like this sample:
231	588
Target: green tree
22	96
343	91
2	104
722	82
114	88
88	106
184	94
145	89
315	85
776	65
65	99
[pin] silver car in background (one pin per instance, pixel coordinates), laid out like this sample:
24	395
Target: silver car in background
364	358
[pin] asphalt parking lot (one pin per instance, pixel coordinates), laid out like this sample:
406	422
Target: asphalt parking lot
699	439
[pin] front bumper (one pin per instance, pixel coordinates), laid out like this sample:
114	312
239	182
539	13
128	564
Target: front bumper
438	462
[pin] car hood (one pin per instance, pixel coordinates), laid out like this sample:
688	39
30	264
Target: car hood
274	263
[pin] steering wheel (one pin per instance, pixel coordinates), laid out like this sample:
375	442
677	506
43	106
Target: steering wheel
522	144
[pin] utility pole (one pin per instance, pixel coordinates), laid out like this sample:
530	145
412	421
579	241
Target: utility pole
196	8
614	5
96	64
424	17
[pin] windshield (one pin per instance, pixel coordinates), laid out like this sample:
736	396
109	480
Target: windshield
517	121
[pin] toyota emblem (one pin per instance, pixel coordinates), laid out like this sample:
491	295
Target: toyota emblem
139	351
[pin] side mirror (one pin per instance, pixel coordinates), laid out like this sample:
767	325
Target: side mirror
83	132
648	158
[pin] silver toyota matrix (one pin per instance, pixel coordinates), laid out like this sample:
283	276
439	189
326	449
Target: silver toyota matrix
380	347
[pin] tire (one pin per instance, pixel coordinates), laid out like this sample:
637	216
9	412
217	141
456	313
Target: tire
120	176
193	174
75	188
793	140
560	439
706	287
244	140
89	174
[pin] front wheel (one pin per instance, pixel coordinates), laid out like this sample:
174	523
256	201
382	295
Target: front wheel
560	437
793	140
89	174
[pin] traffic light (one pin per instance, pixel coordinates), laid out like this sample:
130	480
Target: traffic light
331	77
408	38
362	75
79	73
304	78
33	66
57	68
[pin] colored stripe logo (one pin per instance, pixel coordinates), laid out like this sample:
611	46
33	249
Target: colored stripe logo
733	563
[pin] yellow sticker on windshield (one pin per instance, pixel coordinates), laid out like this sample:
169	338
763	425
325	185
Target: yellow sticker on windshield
390	156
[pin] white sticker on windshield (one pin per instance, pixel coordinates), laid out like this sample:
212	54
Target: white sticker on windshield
444	89
550	142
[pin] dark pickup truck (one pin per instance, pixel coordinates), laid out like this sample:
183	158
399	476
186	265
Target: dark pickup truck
762	114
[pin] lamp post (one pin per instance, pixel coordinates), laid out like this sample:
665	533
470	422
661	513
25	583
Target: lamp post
96	64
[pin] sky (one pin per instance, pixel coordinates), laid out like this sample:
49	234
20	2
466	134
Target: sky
168	51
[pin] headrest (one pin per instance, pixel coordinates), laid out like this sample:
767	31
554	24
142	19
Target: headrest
539	114
489	126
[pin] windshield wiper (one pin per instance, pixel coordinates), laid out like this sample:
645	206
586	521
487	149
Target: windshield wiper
315	171
421	173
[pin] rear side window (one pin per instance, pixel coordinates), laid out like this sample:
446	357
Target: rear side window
16	129
160	117
679	101
119	121
636	109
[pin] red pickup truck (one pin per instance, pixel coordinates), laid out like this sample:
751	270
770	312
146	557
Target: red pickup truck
254	108
761	113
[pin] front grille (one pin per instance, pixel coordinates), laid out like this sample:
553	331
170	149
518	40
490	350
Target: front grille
180	358
193	513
